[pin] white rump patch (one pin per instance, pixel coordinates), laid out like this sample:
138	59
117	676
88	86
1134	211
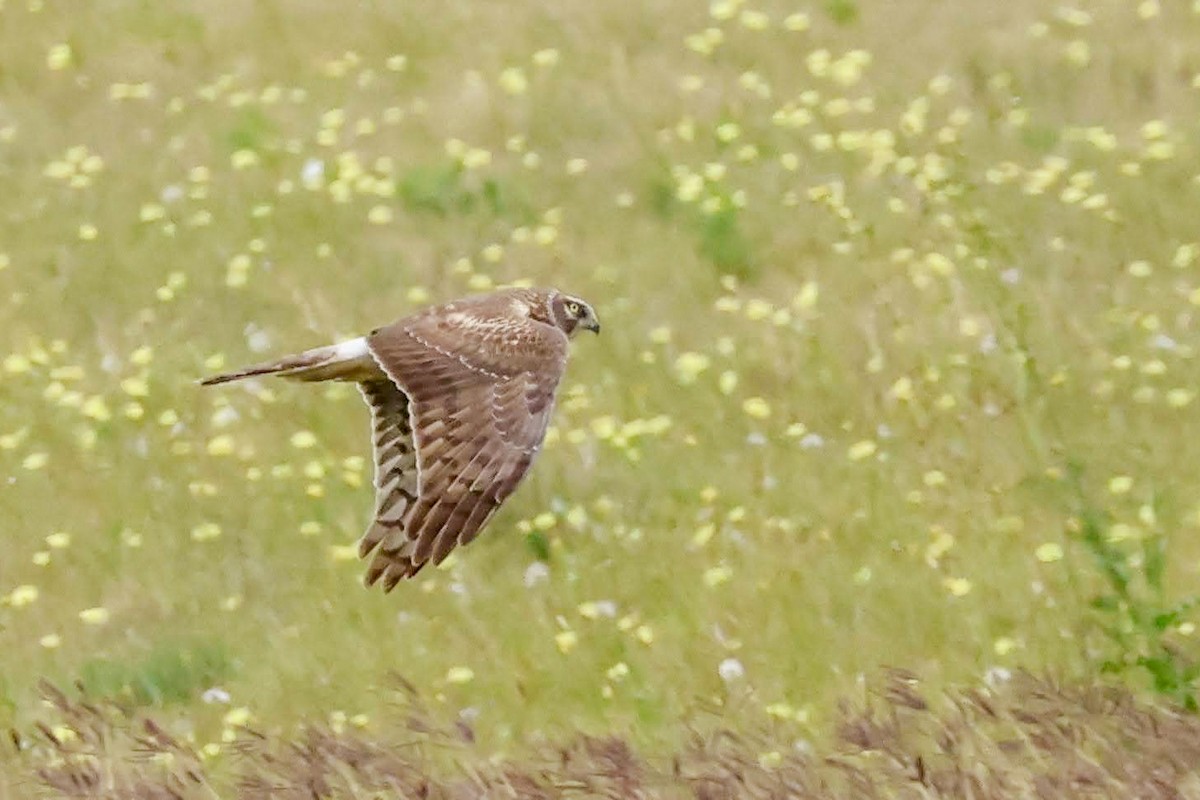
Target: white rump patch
351	349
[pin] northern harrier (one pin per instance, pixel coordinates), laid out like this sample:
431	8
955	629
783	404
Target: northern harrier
460	398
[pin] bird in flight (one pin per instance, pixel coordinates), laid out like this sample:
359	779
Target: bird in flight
460	396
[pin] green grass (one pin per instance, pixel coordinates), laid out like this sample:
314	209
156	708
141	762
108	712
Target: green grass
1021	736
875	287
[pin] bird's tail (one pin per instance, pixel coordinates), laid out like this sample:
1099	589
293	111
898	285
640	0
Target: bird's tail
348	361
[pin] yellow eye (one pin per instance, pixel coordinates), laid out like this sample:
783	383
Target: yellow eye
573	309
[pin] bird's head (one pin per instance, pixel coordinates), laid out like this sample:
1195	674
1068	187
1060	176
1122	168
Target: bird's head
572	314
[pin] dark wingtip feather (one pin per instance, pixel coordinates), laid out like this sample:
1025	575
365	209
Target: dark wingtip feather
374	571
370	540
393	578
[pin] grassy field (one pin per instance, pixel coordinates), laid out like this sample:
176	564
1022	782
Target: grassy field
899	362
1022	737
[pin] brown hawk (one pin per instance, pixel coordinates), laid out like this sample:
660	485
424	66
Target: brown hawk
460	398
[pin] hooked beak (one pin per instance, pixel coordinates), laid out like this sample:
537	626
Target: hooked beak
591	323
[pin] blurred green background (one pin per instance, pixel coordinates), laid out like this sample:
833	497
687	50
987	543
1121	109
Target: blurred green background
899	308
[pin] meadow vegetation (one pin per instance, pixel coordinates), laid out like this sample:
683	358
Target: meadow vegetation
1023	737
899	360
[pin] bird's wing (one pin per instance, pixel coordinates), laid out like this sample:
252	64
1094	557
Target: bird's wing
480	386
395	458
